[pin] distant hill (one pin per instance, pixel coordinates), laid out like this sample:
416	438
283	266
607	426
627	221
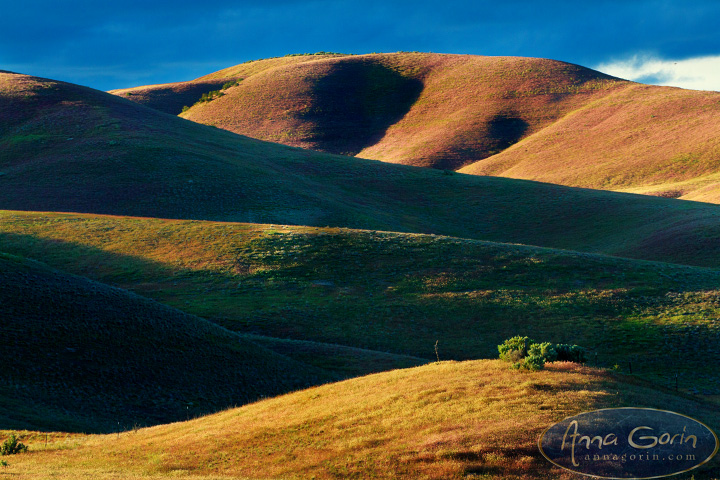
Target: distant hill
82	356
450	420
656	140
172	97
441	111
514	117
70	148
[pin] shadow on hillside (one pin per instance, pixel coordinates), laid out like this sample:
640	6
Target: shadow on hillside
505	130
86	358
173	98
483	141
355	104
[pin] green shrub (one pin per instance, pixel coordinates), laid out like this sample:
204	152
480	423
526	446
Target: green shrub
571	353
229	84
185	109
532	363
515	348
526	354
209	96
546	350
12	445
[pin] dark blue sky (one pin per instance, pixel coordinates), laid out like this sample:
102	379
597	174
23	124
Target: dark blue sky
122	44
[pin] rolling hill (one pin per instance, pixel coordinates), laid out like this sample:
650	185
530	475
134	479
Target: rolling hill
442	111
343	267
449	420
394	293
82	356
172	97
513	117
70	148
654	140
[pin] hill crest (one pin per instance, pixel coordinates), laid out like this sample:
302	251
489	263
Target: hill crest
515	117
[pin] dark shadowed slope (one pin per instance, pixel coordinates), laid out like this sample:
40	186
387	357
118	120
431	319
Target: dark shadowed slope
72	148
83	356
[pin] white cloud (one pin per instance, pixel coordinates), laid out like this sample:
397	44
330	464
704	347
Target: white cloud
701	73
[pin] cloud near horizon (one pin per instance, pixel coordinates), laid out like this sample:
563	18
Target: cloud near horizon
699	73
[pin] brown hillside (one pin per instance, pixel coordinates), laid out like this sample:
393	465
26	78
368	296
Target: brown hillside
169	97
441	111
503	116
172	97
449	421
644	139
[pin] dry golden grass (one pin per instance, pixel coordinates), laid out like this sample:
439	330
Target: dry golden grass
442	421
642	139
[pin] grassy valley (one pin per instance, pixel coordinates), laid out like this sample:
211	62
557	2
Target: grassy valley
70	148
396	293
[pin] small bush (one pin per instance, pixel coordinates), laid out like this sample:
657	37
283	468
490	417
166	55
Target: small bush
546	350
210	96
12	445
532	363
571	353
526	354
185	109
515	348
229	84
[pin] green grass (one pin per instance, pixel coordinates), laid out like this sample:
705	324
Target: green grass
82	356
397	293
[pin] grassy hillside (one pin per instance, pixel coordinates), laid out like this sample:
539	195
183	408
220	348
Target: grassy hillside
397	293
657	140
70	148
441	421
172	97
505	116
443	111
82	356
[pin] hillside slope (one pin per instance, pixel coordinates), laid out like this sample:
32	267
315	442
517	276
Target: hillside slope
657	140
524	118
397	293
169	97
172	97
442	111
83	356
442	421
70	148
